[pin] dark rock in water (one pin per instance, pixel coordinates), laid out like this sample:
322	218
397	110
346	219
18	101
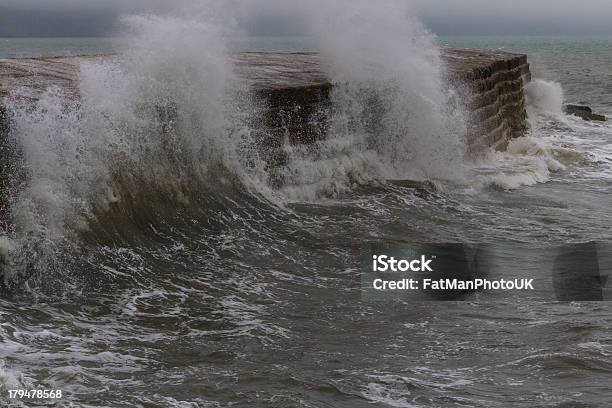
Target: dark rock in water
584	112
590	116
571	109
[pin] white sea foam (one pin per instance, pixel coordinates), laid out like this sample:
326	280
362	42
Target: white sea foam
546	149
527	161
11	380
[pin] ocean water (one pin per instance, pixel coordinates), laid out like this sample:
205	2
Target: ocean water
55	47
143	273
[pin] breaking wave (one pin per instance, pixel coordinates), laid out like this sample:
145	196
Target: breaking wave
164	128
165	131
526	162
393	116
544	97
149	136
533	158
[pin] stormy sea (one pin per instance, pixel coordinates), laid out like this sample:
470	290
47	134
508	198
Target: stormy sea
152	267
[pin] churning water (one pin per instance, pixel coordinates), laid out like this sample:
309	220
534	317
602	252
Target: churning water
152	265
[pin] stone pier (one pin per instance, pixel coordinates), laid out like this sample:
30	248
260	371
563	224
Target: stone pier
494	91
295	92
294	88
292	93
490	82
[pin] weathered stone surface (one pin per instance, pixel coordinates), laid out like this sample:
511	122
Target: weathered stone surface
494	94
5	163
584	112
33	75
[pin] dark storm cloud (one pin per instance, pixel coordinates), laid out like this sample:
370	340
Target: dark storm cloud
270	17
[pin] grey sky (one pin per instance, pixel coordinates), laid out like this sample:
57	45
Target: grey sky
517	16
98	17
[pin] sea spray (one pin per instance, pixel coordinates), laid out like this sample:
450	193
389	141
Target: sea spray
391	114
150	134
543	98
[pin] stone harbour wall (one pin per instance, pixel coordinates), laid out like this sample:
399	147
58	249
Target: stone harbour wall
494	90
293	95
297	95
